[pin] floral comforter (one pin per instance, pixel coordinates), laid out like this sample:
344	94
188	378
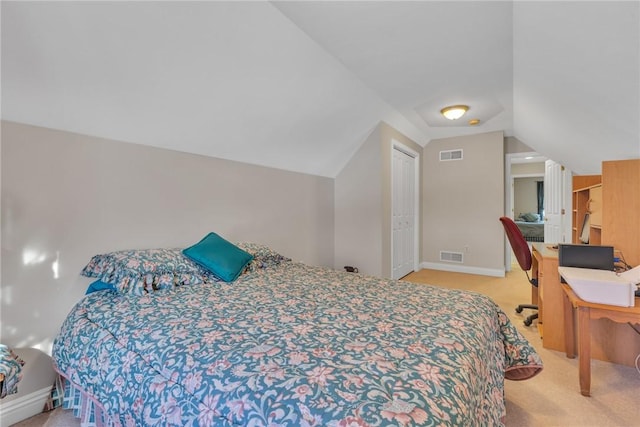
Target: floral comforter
294	345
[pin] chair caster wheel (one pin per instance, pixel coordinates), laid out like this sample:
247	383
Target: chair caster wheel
519	309
528	322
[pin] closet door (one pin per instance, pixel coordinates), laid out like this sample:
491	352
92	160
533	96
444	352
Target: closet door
403	213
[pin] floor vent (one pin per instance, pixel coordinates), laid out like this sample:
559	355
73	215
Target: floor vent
451	256
451	155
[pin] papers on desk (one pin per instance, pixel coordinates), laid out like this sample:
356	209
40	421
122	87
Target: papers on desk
602	286
632	275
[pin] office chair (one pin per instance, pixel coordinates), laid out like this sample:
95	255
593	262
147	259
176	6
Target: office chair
521	250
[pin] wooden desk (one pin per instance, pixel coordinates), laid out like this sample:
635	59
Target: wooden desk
611	341
549	296
586	312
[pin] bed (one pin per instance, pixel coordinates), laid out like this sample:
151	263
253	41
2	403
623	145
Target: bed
288	344
532	231
531	227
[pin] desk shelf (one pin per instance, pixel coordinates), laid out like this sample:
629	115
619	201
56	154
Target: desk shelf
587	200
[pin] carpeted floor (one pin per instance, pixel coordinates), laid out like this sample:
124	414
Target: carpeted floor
550	399
56	418
553	397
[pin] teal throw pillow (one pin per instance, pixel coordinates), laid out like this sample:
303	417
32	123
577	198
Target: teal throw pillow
99	285
224	259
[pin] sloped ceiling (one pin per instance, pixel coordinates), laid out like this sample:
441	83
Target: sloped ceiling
299	85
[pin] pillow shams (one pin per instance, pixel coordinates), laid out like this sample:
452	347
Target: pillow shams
142	271
530	217
219	256
263	256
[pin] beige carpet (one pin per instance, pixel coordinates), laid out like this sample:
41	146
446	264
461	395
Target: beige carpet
56	418
553	397
550	399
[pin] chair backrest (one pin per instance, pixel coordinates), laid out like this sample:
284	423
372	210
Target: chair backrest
518	243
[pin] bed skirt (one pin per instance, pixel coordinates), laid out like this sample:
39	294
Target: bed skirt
84	407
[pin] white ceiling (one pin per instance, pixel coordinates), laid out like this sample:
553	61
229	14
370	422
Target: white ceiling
299	85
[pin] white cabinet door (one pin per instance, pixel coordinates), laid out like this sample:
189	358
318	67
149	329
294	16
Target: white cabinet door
403	213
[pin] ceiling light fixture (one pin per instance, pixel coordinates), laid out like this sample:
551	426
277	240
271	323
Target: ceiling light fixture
474	122
454	112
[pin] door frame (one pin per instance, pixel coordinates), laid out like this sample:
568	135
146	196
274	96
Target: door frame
565	191
511	158
396	145
513	180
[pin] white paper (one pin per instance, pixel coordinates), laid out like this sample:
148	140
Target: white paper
633	275
599	286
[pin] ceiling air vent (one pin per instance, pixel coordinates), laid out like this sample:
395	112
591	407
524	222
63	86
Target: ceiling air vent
451	155
451	256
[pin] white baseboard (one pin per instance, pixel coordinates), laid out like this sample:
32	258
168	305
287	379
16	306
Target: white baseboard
463	269
23	407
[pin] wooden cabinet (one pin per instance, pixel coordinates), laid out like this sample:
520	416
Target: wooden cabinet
550	308
621	208
614	201
587	199
594	206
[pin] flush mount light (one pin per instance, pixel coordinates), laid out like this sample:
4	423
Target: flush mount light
454	112
474	122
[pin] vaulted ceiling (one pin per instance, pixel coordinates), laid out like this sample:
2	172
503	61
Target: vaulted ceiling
299	85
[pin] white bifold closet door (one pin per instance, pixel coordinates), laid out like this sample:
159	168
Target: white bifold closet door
403	212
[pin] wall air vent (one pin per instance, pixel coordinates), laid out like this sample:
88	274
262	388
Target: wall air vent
451	155
451	256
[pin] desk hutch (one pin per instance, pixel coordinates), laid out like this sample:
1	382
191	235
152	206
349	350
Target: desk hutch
613	201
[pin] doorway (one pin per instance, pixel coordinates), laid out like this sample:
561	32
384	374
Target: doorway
528	203
557	195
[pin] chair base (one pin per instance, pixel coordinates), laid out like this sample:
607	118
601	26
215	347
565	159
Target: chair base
529	320
523	306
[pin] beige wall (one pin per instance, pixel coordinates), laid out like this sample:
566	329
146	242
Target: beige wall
513	145
462	201
363	204
536	168
66	197
358	209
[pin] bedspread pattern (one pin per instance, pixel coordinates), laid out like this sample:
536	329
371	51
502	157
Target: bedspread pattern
532	230
294	345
